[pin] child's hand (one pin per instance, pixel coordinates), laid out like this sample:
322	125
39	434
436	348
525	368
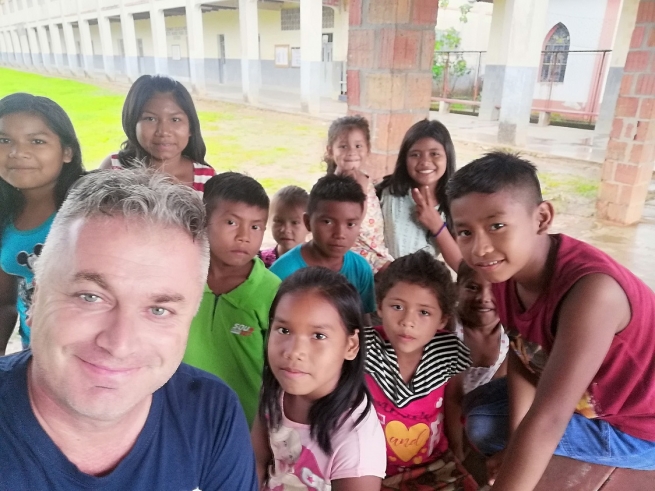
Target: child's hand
426	211
493	466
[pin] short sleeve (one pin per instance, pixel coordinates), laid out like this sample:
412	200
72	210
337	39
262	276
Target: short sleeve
232	458
461	356
363	452
365	283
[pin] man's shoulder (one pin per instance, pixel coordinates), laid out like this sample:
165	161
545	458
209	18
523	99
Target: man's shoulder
12	363
196	385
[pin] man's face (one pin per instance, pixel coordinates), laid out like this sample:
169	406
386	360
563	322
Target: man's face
497	232
110	320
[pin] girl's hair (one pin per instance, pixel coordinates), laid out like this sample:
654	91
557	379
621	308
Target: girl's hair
464	273
327	413
400	183
292	196
343	125
142	90
53	115
422	269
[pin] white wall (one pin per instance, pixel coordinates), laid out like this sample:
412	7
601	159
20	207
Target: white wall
475	32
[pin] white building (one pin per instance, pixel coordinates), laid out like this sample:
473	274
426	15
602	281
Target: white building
228	45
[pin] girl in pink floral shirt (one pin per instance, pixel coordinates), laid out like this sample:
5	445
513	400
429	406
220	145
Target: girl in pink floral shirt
348	149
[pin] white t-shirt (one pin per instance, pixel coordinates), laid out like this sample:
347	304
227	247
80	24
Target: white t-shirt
300	464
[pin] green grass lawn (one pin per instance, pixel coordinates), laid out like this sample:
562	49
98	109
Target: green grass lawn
277	149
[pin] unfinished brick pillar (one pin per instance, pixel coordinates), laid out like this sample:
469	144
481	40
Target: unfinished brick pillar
628	166
390	53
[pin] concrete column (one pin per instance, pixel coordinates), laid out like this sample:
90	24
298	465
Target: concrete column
45	47
71	49
311	48
158	28
620	47
35	49
4	51
104	28
25	47
18	48
494	70
390	55
628	166
57	51
129	43
86	46
196	41
524	25
251	74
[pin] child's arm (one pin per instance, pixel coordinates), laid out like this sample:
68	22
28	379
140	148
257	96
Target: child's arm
453	415
364	483
430	218
263	454
8	312
593	311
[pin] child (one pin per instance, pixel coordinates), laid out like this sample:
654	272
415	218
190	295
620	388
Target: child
579	324
227	334
410	358
40	159
334	214
348	149
287	209
482	332
414	196
163	130
316	428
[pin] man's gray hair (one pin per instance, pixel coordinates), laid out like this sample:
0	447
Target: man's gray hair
138	193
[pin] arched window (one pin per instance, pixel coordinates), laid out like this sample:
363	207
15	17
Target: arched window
555	54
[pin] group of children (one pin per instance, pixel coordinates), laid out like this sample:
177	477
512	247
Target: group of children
335	400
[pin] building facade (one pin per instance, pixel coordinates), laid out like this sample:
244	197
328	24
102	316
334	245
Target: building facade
246	46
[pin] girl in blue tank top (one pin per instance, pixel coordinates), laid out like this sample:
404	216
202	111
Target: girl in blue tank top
40	158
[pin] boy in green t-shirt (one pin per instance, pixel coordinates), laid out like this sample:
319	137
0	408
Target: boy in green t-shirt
227	334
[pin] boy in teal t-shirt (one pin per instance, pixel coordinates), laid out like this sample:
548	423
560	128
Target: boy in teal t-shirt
334	214
228	333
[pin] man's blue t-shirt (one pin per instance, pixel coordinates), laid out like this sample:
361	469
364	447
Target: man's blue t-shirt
195	438
354	268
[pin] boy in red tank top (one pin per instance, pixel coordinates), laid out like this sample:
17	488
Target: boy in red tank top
581	374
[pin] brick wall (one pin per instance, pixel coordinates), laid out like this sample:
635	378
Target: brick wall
628	166
390	53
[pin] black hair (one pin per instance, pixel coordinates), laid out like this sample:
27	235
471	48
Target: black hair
327	413
464	272
235	187
422	269
400	183
495	172
343	125
142	90
292	196
332	187
12	200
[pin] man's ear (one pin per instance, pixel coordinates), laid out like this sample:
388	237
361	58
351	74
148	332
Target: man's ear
545	214
305	219
352	348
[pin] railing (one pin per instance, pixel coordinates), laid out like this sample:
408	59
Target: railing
569	83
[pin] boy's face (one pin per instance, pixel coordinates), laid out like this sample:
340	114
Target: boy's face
335	226
287	225
497	233
236	231
411	316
